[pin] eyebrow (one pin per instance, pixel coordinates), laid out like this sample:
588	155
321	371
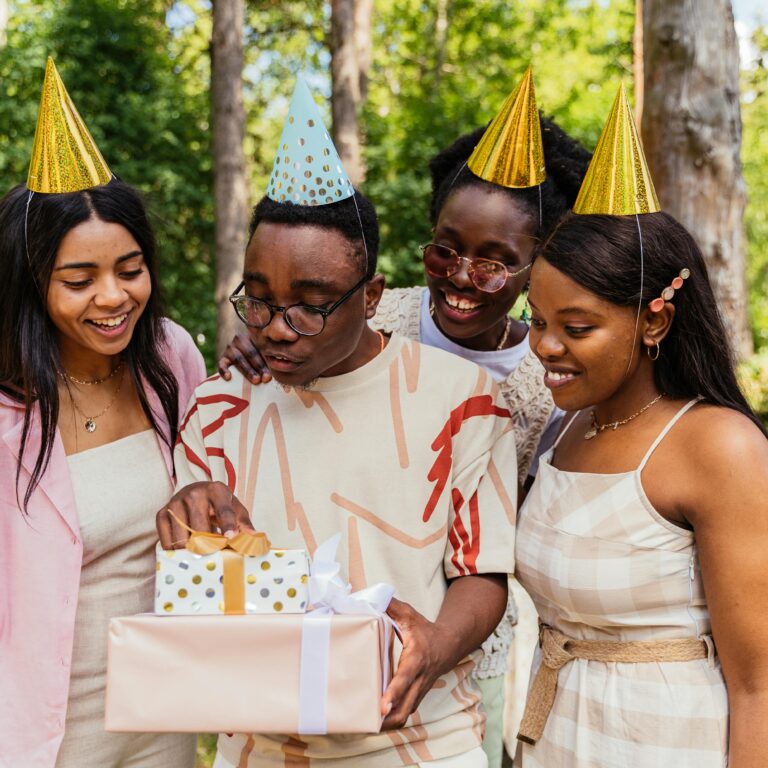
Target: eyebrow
571	310
505	247
296	285
496	243
93	265
322	285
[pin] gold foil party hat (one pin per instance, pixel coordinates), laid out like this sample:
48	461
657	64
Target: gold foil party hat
64	156
510	153
618	182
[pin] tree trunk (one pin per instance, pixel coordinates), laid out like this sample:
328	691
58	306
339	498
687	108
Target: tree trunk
350	60
3	22
692	135
441	38
229	187
637	62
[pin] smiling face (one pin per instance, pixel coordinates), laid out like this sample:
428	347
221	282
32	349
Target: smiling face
584	342
98	289
300	264
479	222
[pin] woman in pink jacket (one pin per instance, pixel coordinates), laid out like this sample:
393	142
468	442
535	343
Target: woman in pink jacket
93	381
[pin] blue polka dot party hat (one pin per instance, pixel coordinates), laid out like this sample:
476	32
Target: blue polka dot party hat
307	168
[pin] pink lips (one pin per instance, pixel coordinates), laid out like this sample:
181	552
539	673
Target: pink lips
282	365
110	331
457	315
557	379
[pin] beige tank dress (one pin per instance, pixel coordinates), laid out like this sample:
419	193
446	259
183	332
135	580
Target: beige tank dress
118	489
602	564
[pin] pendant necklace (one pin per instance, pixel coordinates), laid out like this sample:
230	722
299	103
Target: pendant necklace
90	421
597	428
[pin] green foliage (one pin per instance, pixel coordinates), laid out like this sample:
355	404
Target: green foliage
755	159
283	39
206	750
753	376
428	87
141	91
139	72
424	93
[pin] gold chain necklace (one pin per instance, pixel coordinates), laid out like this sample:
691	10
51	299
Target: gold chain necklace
87	382
90	421
504	333
597	428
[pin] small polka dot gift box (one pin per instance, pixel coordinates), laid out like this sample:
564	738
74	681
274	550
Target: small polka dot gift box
226	582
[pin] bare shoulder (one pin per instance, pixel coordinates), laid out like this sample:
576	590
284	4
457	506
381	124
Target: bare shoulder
724	454
713	433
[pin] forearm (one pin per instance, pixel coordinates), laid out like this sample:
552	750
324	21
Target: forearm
748	729
471	610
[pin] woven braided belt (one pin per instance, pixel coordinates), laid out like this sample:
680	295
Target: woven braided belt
557	650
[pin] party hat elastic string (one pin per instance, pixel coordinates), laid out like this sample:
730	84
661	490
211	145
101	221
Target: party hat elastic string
541	211
26	237
640	299
362	233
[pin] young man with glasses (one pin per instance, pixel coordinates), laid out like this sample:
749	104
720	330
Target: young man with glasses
405	450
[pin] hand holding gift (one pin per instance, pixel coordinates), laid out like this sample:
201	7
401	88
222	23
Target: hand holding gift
205	507
471	609
421	662
235	574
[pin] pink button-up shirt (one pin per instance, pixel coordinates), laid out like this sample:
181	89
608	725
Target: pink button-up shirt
40	560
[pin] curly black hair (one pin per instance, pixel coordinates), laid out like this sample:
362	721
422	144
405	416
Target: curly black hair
566	162
346	216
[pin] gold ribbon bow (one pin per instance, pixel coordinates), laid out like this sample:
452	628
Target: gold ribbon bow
233	550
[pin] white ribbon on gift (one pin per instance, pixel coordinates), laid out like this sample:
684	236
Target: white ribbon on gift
330	595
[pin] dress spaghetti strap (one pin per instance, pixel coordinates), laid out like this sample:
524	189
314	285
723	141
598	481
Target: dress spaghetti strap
671	423
564	430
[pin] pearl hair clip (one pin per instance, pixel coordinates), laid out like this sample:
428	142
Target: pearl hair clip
666	295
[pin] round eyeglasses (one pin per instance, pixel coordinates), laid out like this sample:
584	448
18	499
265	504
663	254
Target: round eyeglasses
304	319
487	275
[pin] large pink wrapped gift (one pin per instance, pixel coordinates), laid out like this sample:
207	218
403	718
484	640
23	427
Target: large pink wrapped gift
313	673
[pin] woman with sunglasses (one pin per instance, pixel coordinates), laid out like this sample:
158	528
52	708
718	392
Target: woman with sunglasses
476	268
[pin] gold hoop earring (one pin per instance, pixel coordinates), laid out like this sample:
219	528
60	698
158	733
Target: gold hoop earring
658	351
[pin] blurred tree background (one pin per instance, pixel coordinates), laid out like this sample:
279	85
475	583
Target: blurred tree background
139	73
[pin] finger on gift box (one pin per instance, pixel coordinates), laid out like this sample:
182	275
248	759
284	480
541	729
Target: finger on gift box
170	531
200	501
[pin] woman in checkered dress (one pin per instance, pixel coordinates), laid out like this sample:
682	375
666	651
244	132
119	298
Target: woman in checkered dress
648	519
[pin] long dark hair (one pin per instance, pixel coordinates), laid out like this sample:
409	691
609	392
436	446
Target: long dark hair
29	355
566	163
602	253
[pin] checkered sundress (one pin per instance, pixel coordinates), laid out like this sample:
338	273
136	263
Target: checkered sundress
601	564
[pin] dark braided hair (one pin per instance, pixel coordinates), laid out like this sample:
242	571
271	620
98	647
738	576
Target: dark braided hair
566	162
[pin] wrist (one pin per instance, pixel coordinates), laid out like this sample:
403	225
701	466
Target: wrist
448	647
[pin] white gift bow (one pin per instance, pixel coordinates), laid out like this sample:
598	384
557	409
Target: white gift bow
329	594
